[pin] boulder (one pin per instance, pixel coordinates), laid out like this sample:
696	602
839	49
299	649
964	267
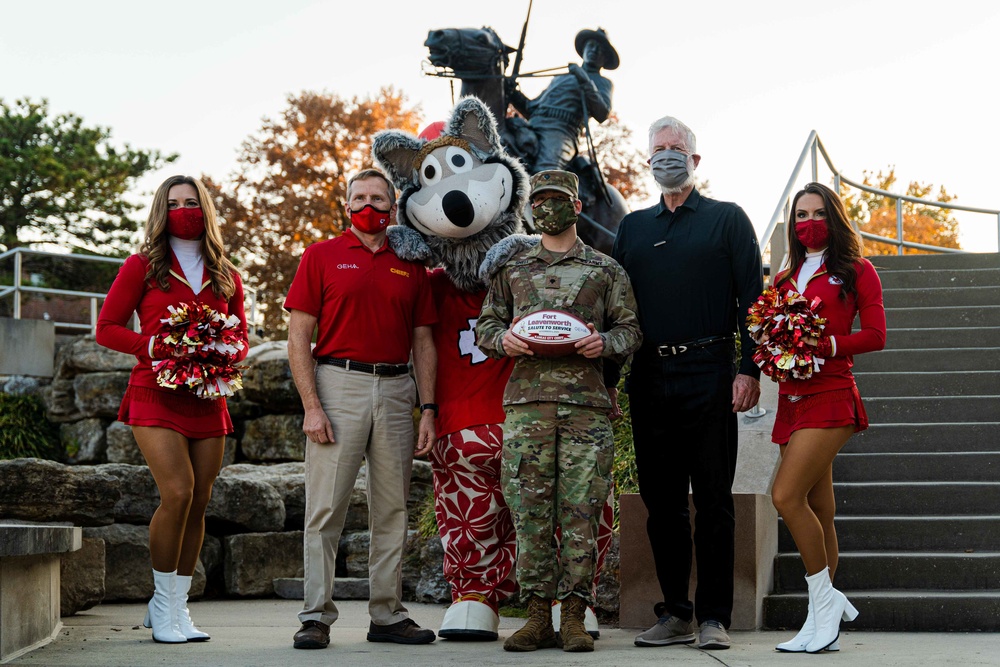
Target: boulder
61	402
82	577
128	572
100	394
84	355
39	490
254	560
139	498
421	484
229	453
23	384
244	505
352	554
268	378
430	585
211	560
274	438
288	479
122	447
84	441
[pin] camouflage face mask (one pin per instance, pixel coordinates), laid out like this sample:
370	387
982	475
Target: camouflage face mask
554	216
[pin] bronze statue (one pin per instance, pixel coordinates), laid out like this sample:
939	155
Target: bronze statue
479	59
562	110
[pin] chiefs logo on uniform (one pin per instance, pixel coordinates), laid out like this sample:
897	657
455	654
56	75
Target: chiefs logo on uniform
467	343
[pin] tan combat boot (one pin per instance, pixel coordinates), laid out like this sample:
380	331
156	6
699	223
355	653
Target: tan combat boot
537	632
575	637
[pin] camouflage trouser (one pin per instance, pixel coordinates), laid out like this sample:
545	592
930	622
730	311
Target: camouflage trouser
556	472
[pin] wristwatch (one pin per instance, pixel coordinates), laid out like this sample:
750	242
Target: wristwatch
430	406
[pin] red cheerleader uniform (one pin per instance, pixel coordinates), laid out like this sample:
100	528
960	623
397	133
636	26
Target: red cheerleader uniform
830	398
146	403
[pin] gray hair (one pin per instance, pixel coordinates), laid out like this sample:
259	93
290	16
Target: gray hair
669	122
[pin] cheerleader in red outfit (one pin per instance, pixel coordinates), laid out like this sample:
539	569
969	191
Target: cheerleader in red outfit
181	436
817	416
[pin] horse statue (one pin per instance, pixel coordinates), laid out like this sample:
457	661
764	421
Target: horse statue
479	59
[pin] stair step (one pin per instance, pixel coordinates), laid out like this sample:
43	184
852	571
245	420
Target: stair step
942	359
936	262
930	611
943	409
939	278
889	570
926	467
923	437
957	316
940	296
909	533
908	339
888	384
916	498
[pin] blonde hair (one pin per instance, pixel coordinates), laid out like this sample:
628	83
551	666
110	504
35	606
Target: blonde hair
156	242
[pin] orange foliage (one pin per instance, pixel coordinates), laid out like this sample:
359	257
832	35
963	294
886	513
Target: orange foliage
929	225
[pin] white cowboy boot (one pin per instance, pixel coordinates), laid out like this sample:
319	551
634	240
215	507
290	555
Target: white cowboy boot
160	613
797	644
184	623
829	607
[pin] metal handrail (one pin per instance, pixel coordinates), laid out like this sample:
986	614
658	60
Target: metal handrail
18	288
814	148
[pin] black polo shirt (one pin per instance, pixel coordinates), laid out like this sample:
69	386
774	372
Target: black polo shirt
695	272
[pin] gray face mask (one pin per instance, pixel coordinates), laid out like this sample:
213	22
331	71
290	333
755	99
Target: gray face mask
670	168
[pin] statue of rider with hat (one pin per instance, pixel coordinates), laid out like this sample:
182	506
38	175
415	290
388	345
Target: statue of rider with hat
558	115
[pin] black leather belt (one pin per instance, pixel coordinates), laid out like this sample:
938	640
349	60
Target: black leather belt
673	349
362	367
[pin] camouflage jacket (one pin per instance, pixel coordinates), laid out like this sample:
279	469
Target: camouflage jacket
584	282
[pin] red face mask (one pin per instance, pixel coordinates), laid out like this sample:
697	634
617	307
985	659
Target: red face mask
186	223
370	220
812	233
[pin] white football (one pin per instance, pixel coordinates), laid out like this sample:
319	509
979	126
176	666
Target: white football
551	333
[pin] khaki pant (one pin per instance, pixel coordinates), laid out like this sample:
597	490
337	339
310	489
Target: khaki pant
372	420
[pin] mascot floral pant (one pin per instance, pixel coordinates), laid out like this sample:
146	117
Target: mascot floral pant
480	546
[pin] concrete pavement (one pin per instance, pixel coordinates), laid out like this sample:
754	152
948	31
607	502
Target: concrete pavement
259	632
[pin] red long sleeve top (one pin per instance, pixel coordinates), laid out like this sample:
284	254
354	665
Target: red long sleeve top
835	373
131	293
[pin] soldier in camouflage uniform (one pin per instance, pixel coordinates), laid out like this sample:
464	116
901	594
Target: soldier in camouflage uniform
558	443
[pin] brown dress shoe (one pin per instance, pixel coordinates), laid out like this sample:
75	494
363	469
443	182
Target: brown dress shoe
403	632
312	634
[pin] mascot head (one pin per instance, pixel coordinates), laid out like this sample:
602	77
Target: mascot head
461	192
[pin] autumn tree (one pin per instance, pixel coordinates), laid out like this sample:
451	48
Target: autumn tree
63	182
290	184
876	214
623	165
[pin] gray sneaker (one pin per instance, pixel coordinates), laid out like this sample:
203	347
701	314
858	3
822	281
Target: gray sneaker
713	636
668	630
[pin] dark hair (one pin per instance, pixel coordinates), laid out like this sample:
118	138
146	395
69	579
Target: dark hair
843	249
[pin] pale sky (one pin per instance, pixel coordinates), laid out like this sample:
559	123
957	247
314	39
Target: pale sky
904	83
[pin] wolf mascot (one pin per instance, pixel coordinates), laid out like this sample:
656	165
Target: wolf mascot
460	210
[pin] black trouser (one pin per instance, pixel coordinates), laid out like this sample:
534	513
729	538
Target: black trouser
684	429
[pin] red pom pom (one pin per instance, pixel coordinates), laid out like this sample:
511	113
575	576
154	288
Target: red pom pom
789	335
194	351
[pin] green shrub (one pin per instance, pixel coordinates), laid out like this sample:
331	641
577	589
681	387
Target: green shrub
25	430
427	526
624	474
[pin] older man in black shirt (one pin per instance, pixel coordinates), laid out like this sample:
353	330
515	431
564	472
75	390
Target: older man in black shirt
695	268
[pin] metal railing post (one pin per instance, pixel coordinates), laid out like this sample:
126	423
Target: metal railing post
17	284
93	315
899	226
815	163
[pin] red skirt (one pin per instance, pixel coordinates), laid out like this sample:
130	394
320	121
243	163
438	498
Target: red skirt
827	409
179	411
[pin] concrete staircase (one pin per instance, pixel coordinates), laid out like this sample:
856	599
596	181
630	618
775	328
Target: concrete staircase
918	494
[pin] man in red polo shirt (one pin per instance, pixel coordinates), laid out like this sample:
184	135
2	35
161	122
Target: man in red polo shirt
371	308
